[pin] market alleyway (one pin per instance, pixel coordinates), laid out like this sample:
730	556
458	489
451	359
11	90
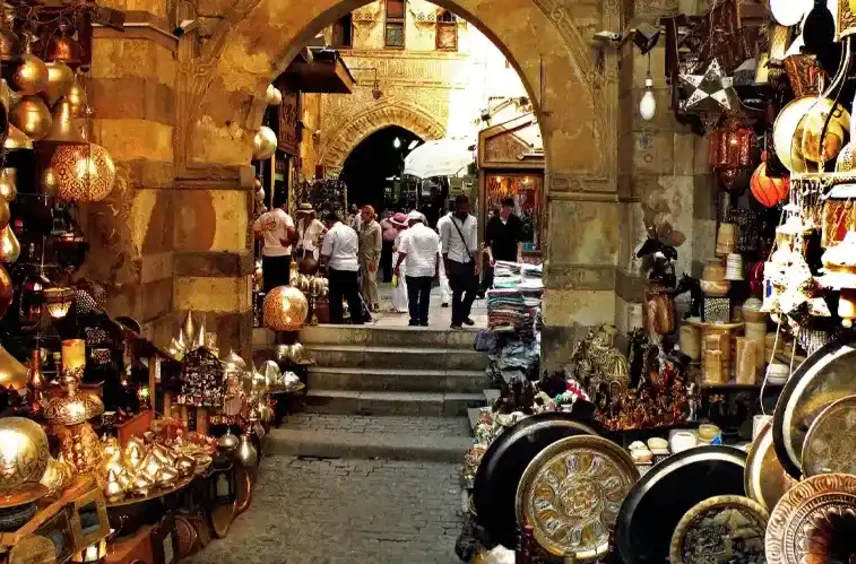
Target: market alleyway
369	472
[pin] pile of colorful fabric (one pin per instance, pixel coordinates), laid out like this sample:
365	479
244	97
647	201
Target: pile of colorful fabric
516	309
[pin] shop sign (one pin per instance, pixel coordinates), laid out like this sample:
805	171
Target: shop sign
289	121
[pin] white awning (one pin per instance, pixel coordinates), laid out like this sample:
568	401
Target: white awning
445	157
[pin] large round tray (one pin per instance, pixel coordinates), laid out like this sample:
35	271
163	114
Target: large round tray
659	500
825	377
814	522
765	480
719	530
571	494
502	466
830	444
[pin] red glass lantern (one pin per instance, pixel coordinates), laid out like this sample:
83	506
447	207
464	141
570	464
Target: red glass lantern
731	151
769	191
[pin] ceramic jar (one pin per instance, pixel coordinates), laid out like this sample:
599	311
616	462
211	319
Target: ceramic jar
690	341
681	441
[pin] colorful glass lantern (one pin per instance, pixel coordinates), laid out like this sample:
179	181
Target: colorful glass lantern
731	151
768	191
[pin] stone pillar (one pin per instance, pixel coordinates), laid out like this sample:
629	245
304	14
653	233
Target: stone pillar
131	91
657	168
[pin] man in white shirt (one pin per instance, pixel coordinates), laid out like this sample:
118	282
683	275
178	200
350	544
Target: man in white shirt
459	241
445	289
339	257
420	252
310	231
276	231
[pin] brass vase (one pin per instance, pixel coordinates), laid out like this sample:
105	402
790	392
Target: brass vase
7	291
9	184
31	116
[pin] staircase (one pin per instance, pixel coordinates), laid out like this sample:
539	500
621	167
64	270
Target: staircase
394	393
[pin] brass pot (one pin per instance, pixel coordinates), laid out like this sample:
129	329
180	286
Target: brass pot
31	75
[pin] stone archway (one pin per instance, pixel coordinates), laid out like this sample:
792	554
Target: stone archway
360	126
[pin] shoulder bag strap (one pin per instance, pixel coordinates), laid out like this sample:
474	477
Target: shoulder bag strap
463	240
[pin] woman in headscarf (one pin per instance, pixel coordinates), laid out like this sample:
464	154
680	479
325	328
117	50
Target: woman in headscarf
399	293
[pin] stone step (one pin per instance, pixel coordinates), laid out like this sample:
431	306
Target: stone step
397	380
399	446
413	337
390	403
407	358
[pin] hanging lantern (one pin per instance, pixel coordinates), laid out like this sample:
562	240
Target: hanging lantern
31	116
77	97
10	248
82	173
31	76
13	374
768	191
264	143
731	151
64	48
9	184
17	140
63	128
60	79
58	300
222	487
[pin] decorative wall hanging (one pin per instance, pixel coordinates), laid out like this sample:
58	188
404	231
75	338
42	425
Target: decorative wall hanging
830	444
711	92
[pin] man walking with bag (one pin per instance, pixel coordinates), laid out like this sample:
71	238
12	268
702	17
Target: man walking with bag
459	241
420	251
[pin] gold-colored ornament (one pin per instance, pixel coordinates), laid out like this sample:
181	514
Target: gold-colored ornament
141	485
50	183
200	340
7	291
113	490
74	407
33	549
57	477
36	378
166	477
77	97
60	79
13	374
80	447
31	76
10	248
188	328
83	173
264	143
273	96
63	126
5	95
228	442
9	184
185	465
17	140
31	116
285	309
5	213
23	459
58	301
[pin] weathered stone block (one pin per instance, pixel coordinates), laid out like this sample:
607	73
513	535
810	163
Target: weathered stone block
212	220
229	295
132	139
585	232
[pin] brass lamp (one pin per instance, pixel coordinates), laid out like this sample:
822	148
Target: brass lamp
58	301
731	151
13	374
23	459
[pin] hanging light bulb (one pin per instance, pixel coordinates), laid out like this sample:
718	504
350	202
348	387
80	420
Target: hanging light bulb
397	143
648	104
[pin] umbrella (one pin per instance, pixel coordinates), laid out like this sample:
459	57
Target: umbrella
445	157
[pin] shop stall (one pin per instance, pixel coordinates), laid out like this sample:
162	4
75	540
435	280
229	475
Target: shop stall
720	429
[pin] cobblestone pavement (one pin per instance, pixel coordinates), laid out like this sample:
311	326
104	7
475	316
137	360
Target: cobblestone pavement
439	427
345	512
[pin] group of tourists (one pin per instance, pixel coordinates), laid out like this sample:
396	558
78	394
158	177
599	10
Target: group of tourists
350	250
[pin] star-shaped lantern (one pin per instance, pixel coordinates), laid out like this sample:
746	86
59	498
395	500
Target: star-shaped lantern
711	92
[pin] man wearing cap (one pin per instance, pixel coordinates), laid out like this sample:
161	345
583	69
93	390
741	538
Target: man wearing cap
310	231
275	229
420	252
371	244
339	257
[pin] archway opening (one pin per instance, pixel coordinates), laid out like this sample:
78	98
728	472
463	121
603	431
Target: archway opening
372	171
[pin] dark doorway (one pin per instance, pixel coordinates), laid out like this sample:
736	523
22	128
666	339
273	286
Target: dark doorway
372	171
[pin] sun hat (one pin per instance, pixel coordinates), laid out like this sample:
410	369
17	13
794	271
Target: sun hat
305	208
415	216
399	219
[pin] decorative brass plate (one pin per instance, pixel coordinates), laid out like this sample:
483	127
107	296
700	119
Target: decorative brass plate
764	478
825	377
814	522
830	444
571	494
722	529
